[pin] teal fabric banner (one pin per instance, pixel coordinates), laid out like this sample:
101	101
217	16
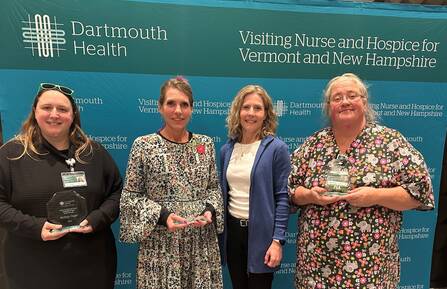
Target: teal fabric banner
116	54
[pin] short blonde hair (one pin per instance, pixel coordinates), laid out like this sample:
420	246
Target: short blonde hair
370	115
234	121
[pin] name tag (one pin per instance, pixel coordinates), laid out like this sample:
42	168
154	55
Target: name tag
74	179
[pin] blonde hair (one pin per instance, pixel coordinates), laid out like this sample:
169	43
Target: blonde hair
234	121
30	134
370	114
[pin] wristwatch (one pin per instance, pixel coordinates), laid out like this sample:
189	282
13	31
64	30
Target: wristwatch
281	242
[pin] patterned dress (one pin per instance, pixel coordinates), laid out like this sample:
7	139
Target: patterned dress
341	246
183	179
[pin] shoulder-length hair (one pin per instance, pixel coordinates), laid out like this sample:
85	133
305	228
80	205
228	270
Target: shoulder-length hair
30	135
234	121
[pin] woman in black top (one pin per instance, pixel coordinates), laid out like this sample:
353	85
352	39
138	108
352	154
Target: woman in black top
53	154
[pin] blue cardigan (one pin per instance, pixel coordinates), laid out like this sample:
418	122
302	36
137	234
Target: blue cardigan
269	206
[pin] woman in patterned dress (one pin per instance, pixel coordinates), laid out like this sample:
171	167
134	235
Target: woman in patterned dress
171	202
350	240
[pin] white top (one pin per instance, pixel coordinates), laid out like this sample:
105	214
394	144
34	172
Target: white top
238	176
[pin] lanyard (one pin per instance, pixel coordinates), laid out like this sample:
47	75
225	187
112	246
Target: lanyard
66	155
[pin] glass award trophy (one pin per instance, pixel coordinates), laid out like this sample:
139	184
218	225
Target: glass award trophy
337	178
193	219
67	208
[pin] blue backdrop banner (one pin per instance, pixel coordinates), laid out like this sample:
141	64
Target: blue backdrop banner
116	56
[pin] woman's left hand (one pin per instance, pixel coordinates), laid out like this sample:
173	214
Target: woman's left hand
273	256
361	197
84	228
395	198
203	220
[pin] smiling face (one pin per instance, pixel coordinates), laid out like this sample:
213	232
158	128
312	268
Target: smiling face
54	116
346	104
176	110
252	115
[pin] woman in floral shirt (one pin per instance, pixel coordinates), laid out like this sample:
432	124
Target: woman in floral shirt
348	239
171	202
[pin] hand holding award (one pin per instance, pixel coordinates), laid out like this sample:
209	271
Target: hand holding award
68	209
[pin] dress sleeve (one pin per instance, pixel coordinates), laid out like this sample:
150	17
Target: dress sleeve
139	214
281	170
108	211
214	192
11	219
412	174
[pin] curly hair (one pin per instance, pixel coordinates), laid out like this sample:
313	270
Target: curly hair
234	122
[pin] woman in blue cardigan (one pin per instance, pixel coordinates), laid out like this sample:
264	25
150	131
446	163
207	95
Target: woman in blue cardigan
255	166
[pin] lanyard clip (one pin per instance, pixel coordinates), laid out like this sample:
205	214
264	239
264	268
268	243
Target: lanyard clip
70	162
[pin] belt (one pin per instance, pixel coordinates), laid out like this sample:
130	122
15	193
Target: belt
241	222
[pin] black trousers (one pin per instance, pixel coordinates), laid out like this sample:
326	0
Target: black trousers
237	254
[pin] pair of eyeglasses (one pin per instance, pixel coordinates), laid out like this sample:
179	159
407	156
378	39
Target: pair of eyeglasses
65	90
349	97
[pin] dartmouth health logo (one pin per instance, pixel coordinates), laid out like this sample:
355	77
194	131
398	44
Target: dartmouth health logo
43	35
280	107
47	38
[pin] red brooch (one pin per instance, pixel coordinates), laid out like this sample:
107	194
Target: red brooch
200	149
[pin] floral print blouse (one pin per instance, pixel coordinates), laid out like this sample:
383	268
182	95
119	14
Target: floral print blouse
342	246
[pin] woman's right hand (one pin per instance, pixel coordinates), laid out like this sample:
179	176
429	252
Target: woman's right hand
175	222
50	233
314	195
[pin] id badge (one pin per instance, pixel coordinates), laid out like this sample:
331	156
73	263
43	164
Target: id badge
74	179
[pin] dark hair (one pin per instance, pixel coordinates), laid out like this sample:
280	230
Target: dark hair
178	82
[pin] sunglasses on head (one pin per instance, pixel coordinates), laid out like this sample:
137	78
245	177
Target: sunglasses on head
65	90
